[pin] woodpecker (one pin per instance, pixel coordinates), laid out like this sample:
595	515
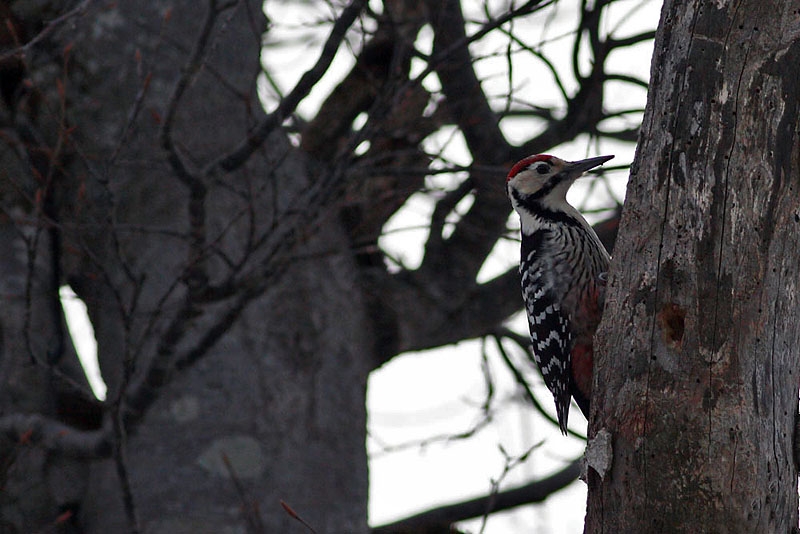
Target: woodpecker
563	267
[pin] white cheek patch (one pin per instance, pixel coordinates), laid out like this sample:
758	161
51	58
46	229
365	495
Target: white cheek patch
526	185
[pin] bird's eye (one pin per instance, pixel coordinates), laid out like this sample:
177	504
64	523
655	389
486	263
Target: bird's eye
542	168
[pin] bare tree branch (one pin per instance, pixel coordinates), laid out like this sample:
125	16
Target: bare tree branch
287	105
384	58
440	519
463	253
179	165
630	41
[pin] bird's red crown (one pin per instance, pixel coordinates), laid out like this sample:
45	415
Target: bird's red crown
526	162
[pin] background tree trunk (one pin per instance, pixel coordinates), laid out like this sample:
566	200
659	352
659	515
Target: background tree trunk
277	404
697	373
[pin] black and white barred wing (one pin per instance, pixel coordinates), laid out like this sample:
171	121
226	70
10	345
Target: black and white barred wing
551	336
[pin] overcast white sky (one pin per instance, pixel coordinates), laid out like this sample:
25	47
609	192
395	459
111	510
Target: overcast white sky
439	392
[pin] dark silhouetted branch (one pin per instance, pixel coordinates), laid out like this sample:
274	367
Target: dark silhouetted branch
440	519
287	105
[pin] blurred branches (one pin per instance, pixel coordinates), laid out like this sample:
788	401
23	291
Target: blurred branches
433	99
441	302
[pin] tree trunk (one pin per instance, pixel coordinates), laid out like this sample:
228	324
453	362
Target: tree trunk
697	372
217	430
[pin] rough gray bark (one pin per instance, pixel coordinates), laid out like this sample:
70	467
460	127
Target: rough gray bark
697	369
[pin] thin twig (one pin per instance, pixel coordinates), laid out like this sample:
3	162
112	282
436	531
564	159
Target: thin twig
120	462
509	464
294	515
441	57
49	28
249	505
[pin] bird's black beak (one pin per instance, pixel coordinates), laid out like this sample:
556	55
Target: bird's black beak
575	168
